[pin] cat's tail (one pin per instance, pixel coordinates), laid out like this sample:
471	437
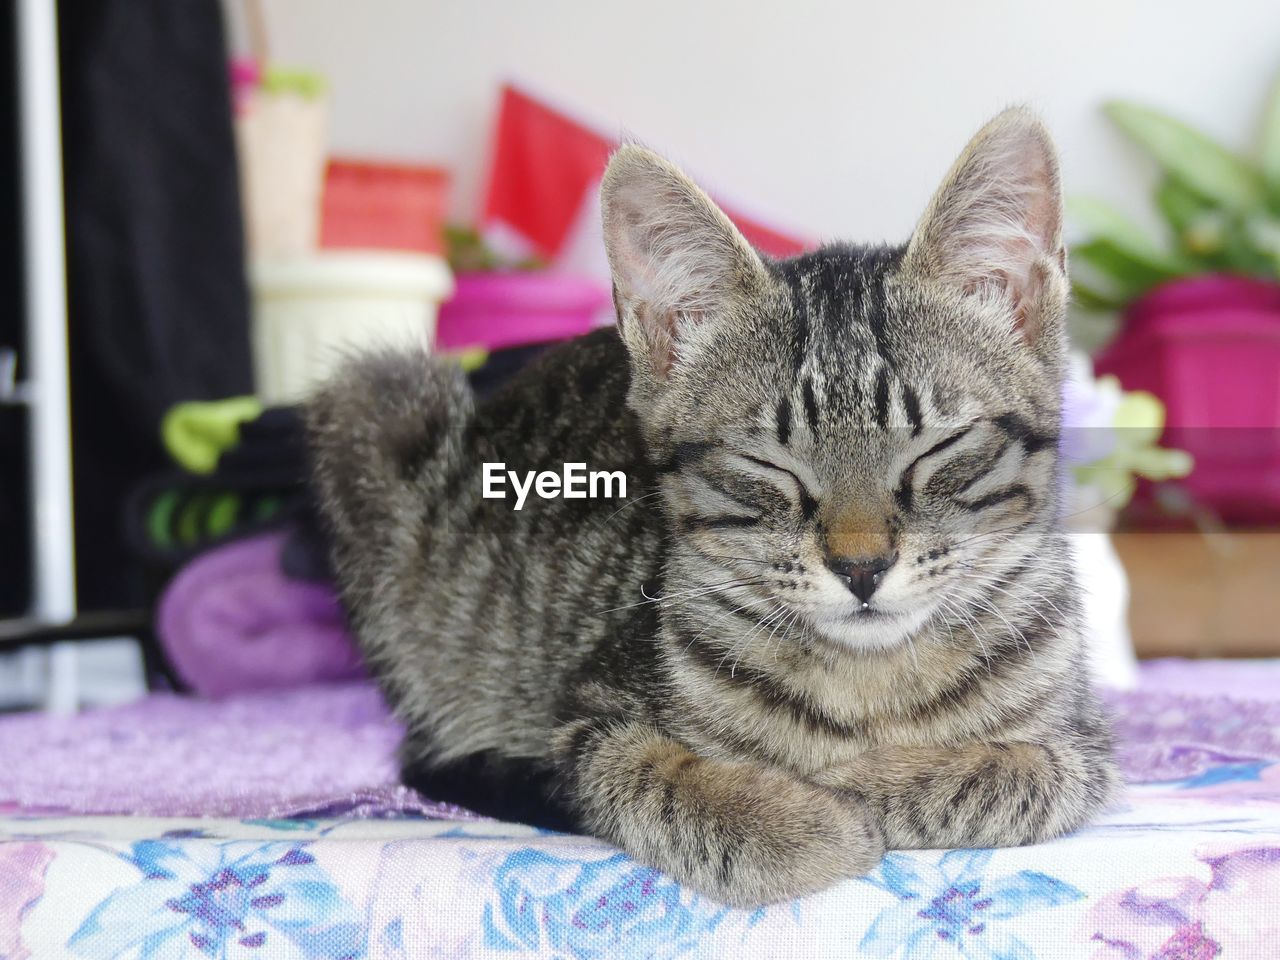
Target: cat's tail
385	432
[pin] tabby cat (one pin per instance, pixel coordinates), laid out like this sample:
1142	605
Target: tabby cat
835	613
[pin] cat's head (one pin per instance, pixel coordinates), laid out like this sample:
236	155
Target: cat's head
864	435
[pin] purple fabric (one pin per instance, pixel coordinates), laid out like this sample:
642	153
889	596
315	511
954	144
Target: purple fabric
331	749
1241	679
1165	736
318	750
231	621
1188	716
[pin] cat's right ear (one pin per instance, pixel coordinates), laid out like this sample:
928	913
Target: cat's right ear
678	263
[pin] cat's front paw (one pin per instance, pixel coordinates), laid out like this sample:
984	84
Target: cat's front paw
996	794
782	839
738	832
828	838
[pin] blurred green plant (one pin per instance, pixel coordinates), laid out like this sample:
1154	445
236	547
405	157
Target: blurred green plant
1136	426
1222	210
468	252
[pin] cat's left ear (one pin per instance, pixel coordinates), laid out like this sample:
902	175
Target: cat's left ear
994	230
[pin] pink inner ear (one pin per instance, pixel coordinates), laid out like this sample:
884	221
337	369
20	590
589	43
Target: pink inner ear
658	327
1029	307
1024	292
1000	223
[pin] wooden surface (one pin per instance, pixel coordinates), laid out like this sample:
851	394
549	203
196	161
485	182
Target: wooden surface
1203	595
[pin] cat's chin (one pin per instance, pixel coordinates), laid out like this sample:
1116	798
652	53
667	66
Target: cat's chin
869	629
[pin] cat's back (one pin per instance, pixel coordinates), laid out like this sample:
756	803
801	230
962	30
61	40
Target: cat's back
503	598
521	501
567	407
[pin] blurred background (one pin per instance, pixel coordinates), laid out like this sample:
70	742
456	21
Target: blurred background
202	201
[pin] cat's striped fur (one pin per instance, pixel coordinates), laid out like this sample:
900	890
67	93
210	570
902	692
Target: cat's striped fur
691	674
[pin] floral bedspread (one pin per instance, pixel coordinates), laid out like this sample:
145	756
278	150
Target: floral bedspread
1187	867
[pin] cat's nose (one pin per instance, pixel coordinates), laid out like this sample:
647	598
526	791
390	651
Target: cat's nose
862	574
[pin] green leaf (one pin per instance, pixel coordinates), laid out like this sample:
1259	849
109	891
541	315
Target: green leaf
1180	205
1242	252
1271	147
1093	300
1109	275
1206	167
1264	234
1206	236
1105	223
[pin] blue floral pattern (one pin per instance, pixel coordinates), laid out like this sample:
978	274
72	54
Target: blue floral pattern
952	907
1175	873
592	908
226	899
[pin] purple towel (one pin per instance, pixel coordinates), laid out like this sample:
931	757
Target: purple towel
318	751
232	621
332	749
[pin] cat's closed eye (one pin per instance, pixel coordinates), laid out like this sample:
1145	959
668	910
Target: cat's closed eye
806	499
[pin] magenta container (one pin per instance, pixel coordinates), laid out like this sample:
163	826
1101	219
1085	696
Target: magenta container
246	77
496	310
1209	347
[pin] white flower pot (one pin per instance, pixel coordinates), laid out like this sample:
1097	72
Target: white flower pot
310	310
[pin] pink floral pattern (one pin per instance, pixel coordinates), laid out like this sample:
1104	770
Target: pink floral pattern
1231	912
22	870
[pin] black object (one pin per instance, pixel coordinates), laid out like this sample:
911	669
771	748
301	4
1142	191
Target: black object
15	575
501	365
265	472
158	303
505	788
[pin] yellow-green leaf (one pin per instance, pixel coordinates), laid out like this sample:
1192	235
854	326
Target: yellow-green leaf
1271	147
1205	166
1105	223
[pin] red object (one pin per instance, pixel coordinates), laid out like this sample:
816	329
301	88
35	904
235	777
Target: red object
497	310
1209	347
543	165
544	162
383	206
545	171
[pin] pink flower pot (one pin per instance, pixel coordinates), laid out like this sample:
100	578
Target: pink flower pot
496	310
1209	347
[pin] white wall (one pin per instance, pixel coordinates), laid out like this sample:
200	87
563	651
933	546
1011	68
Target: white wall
834	118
